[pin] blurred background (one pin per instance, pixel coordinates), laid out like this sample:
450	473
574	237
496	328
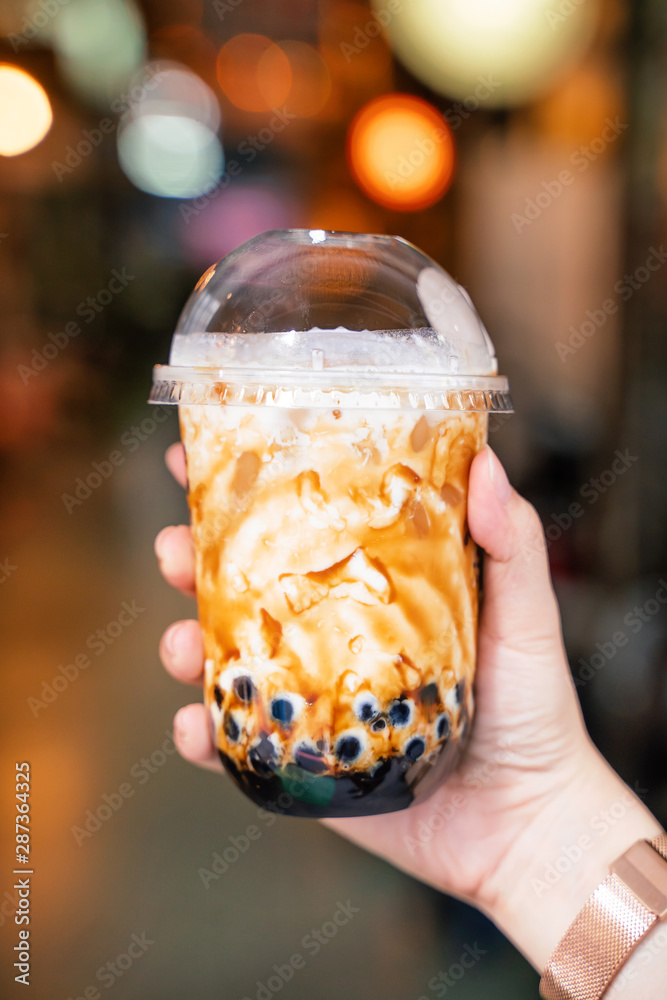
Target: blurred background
523	146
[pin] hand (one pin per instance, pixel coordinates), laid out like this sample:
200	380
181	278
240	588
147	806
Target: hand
530	780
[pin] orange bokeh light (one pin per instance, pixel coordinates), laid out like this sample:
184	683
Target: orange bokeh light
25	111
311	79
579	110
344	209
254	73
401	152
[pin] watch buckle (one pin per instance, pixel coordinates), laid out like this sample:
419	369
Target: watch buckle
644	871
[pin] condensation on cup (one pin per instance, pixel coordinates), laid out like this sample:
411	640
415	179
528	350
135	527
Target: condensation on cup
333	389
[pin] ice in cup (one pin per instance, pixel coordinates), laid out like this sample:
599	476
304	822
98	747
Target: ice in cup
333	389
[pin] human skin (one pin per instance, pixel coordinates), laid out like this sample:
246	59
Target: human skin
530	784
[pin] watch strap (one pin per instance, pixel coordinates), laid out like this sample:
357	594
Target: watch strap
621	911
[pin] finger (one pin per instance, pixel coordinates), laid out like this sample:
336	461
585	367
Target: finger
192	735
174	457
176	556
520	608
182	651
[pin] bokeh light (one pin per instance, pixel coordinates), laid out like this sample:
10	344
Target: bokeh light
578	111
167	87
346	210
401	152
358	71
233	216
254	73
25	111
99	44
167	142
170	156
311	79
512	49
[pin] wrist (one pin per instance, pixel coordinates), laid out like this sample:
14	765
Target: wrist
564	854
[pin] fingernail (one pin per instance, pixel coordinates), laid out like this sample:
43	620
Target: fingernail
159	543
173	640
169	639
498	476
180	732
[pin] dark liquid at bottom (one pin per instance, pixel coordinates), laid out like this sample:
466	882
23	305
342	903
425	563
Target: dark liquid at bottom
394	785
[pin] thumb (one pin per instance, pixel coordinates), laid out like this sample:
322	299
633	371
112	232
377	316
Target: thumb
520	609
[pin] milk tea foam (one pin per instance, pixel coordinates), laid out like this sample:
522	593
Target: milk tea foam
338	588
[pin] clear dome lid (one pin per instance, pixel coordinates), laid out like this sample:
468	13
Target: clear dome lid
315	318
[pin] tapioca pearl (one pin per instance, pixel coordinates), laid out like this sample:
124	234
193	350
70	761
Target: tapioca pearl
378	725
415	748
263	756
282	711
310	759
459	692
401	712
231	728
349	746
286	707
227	676
442	726
429	694
366	706
218	695
244	688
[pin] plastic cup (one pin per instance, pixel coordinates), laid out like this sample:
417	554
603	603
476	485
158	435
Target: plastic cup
333	389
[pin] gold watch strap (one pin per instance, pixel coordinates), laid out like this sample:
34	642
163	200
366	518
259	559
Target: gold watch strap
620	912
